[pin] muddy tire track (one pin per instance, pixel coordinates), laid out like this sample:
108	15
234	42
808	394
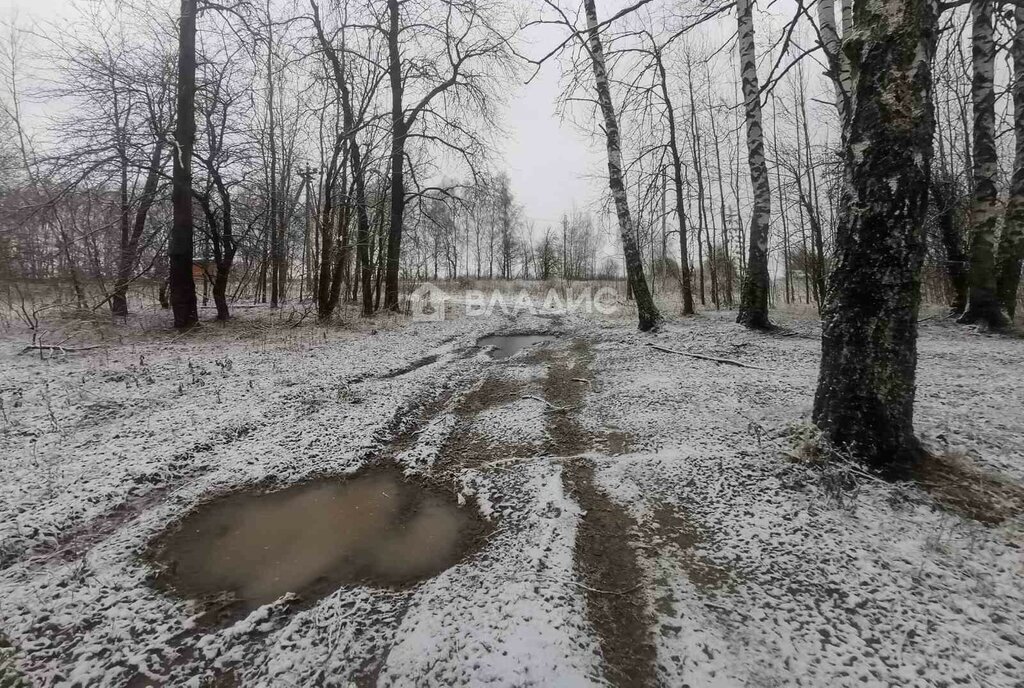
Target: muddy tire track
607	564
605	560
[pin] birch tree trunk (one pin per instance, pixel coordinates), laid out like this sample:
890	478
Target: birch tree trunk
754	297
845	75
982	304
180	243
865	397
833	53
646	310
1011	243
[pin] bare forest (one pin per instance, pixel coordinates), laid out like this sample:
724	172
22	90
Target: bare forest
511	342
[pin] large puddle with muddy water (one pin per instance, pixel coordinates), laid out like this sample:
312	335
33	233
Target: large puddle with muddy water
377	529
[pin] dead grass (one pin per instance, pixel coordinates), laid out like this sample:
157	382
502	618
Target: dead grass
952	481
958	486
10	677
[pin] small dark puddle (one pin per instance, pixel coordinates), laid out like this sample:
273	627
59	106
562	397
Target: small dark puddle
245	550
507	346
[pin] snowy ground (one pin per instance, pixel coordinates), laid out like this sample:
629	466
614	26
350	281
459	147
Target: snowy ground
649	528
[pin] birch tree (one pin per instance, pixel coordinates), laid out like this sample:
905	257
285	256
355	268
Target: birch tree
756	282
647	312
982	303
829	39
865	397
1011	243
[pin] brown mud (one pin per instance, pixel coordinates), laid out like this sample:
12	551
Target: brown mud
247	549
605	557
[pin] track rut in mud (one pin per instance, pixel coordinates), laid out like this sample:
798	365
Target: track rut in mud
605	560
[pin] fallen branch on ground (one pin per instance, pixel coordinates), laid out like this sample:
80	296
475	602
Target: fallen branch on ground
237	306
726	361
58	347
590	589
606	592
553	408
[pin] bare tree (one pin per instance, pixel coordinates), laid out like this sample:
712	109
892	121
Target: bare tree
1011	242
982	302
470	38
182	236
647	312
756	283
353	121
676	164
865	397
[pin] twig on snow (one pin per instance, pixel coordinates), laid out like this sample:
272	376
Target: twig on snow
552	407
723	608
702	357
57	347
606	592
594	590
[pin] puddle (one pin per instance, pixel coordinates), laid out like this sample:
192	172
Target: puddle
250	549
507	346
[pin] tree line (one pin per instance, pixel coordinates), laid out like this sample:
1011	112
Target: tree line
846	152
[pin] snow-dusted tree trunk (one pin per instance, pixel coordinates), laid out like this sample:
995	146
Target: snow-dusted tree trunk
982	304
1011	243
646	310
865	396
754	297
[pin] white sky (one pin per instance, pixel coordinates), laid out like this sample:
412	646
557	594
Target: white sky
553	166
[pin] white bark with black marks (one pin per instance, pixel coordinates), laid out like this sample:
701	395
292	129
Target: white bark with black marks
647	312
1011	243
833	55
754	296
982	304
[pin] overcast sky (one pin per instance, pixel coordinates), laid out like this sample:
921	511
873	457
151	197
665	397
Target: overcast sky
552	164
553	167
